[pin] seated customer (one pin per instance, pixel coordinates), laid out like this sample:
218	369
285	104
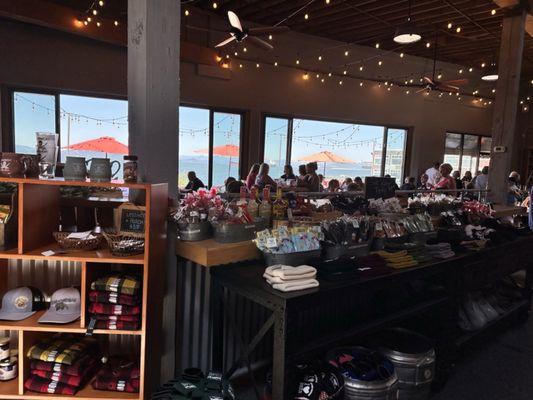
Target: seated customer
263	179
194	182
458	181
409	184
302	172
346	182
311	182
360	184
288	173
333	185
424	183
252	175
234	187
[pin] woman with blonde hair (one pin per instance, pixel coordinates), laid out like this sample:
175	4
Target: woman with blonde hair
446	182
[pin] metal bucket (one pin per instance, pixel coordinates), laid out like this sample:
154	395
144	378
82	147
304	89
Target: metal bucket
378	384
414	359
233	233
293	259
194	232
338	251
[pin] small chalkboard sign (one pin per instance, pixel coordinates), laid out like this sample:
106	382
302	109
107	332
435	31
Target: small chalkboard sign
131	220
376	187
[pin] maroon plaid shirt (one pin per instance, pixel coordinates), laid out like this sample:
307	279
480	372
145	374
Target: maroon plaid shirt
122	318
112	309
40	385
113	298
77	369
70	380
118	325
116	384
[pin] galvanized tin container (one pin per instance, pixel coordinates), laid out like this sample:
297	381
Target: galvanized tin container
194	232
414	359
233	233
375	390
293	259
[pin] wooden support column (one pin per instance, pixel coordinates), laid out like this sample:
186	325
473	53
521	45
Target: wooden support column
153	101
506	104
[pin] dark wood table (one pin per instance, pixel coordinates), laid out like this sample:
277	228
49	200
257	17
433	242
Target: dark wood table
306	323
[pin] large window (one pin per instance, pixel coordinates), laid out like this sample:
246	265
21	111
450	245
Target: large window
467	152
209	144
341	149
88	126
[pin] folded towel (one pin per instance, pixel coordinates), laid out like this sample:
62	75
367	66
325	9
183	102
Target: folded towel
287	272
293	286
276	279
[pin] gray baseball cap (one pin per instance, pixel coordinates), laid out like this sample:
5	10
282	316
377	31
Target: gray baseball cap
21	303
65	307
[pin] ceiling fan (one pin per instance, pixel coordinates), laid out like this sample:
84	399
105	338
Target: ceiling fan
431	83
239	34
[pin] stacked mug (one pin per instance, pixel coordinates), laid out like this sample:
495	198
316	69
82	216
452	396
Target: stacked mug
100	169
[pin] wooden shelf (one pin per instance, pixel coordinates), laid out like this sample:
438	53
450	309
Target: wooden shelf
97	256
9	389
31	324
87	393
62	182
210	253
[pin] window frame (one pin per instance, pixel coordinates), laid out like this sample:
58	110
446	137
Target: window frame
212	110
386	127
461	150
8	124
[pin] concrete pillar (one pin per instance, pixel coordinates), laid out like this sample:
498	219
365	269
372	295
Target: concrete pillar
506	105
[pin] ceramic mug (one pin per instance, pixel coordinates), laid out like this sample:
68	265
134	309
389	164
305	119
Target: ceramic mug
100	169
75	169
31	162
12	165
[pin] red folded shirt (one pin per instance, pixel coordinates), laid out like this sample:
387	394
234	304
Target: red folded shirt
113	298
113	309
118	325
77	369
116	384
121	318
40	385
70	380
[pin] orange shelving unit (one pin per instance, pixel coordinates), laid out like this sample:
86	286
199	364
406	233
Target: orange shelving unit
38	217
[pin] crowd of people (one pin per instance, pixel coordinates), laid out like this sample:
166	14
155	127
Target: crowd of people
440	176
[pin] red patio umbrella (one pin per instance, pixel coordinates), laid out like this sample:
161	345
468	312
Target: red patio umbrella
227	150
104	144
325	157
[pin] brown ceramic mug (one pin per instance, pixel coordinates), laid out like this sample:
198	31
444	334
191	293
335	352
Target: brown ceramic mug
31	162
12	165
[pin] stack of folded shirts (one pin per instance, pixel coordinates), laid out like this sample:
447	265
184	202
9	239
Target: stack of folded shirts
289	279
115	303
440	250
62	364
118	376
398	259
372	265
417	250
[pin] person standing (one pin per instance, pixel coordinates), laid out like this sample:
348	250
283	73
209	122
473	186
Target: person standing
424	184
252	175
433	174
482	180
446	182
458	182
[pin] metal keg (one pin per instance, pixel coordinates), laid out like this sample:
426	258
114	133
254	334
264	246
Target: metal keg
367	374
414	359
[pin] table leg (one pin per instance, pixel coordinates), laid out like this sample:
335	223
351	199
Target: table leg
278	357
217	309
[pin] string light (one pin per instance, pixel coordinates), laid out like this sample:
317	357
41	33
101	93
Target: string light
101	3
361	84
98	24
493	90
319	58
245	49
215	5
257	65
275	64
380	63
346	53
439	76
483	65
328	1
236	54
270	37
306	16
85	22
95	12
322	80
401	55
470	69
450	25
493	11
407	92
461	71
116	23
377	45
344	72
361	68
240	65
305	76
340	83
330	74
458	29
89	19
428	45
317	76
297	62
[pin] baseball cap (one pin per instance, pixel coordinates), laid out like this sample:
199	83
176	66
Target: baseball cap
21	303
65	307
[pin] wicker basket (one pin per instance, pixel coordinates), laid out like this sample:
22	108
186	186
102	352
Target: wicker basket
77	244
124	245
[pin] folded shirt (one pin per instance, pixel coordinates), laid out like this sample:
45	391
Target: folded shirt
84	363
113	309
118	325
71	380
116	384
113	298
292	286
41	385
286	272
62	350
121	318
121	284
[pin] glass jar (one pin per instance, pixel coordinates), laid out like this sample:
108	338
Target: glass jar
130	169
4	349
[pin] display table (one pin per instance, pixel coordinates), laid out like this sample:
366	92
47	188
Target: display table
308	322
210	253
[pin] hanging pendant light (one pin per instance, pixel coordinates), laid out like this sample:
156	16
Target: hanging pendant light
491	74
407	33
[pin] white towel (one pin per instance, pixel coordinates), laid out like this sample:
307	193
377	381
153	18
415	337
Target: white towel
286	272
276	279
296	285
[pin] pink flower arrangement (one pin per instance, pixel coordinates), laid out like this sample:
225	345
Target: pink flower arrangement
200	205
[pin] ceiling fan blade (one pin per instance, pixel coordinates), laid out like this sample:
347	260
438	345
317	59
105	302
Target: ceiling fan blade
234	20
225	42
260	43
423	90
455	82
270	30
429	80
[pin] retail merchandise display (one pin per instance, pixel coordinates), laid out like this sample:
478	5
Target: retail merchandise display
194	384
8	360
289	240
115	303
289	279
118	376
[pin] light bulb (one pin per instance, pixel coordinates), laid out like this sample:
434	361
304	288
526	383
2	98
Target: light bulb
493	11
328	1
275	64
428	45
306	16
116	23
245	49
240	65
361	68
95	12
458	29
461	71
89	19
329	74
187	13
270	37
361	84
380	63
344	72
450	25
483	65
401	55
297	62
346	53
377	45
340	83
257	65
98	24
305	76
215	5
101	3
470	69
85	23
